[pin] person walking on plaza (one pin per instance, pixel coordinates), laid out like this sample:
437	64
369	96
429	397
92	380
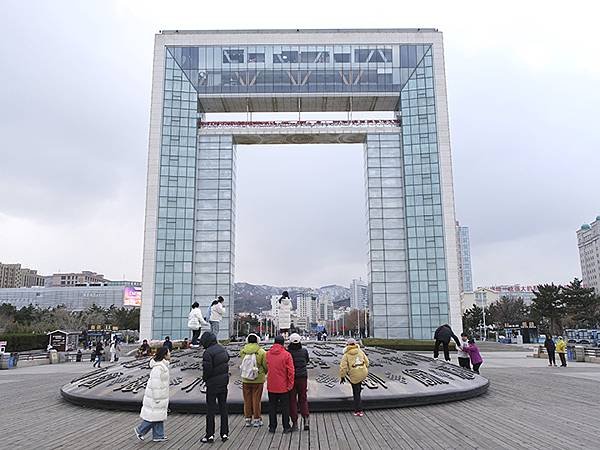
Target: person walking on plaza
280	381
298	394
114	351
442	336
144	349
196	322
355	366
473	351
156	398
217	311
463	356
215	373
551	350
285	313
98	352
561	349
168	343
253	370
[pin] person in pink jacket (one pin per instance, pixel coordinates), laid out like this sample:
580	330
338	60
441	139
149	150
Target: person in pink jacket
473	351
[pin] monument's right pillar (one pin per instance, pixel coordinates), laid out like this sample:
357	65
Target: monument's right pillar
413	267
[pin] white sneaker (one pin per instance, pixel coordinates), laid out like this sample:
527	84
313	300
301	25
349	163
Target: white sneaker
162	439
137	434
248	422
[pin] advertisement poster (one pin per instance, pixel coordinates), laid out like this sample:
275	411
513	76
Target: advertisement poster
132	296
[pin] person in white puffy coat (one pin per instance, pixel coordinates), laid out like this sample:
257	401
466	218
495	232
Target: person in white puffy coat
285	313
196	322
156	398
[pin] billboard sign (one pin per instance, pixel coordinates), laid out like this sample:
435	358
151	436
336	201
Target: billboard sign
132	296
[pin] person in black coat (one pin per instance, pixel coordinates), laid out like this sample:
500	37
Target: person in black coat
168	343
442	336
215	373
551	349
298	394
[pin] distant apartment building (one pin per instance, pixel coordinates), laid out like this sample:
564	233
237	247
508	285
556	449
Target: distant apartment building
77	298
15	276
481	297
463	246
84	278
588	241
325	308
359	294
307	307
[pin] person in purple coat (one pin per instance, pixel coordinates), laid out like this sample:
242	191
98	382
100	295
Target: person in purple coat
473	351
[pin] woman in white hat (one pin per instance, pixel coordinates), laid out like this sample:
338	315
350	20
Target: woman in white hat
354	365
298	394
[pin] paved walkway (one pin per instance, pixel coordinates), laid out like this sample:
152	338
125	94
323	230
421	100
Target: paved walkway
528	405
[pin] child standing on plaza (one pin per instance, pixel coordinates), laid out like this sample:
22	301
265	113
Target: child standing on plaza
355	365
473	352
156	398
463	356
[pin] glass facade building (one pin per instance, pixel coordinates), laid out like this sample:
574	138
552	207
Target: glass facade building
189	251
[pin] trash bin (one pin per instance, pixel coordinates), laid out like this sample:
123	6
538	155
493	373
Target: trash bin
53	356
4	361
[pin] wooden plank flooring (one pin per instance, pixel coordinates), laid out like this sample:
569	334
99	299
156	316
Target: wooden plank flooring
532	407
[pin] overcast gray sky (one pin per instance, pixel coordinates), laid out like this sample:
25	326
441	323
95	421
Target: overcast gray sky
523	85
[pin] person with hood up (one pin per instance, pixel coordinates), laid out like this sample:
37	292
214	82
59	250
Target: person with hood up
285	313
355	366
196	322
217	311
215	373
156	398
561	349
551	349
442	336
280	381
254	369
298	394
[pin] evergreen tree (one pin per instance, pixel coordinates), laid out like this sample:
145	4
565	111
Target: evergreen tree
508	311
472	318
547	308
581	304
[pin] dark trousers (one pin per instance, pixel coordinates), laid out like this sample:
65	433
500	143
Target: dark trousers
476	367
211	402
274	401
465	363
356	389
436	349
298	399
563	359
551	357
195	336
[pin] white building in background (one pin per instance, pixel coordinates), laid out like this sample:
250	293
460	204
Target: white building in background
359	294
308	307
588	241
482	297
465	275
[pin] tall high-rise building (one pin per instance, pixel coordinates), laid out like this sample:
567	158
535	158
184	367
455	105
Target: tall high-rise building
465	275
359	294
15	276
308	307
588	240
189	239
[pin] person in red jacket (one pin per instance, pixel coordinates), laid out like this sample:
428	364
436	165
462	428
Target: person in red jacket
280	381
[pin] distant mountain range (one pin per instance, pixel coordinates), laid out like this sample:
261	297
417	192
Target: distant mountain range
256	298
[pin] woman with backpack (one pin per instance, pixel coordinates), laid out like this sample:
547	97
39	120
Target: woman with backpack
196	322
355	366
156	398
298	394
253	370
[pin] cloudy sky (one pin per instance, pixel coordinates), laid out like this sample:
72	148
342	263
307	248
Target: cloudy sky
523	85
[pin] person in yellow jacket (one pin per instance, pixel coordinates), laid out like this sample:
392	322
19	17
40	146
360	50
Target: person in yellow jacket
561	349
355	366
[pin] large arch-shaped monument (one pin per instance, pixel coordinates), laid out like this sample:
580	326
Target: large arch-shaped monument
189	239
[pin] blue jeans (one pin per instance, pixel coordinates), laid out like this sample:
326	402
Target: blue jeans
214	327
158	429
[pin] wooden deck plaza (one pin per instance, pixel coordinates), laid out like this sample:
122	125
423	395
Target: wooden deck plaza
528	405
